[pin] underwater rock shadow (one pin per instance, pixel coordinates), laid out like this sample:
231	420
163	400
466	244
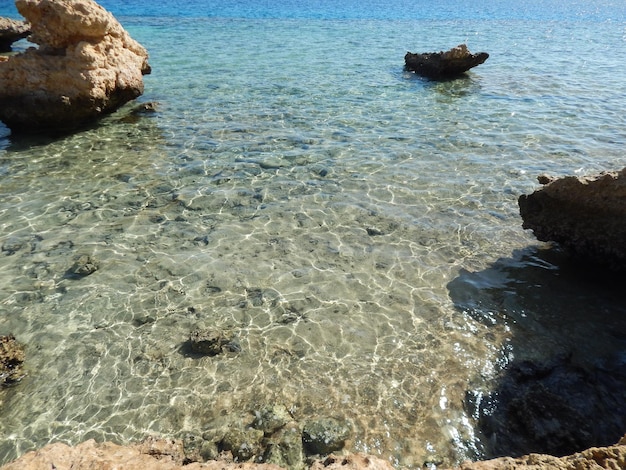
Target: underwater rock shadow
562	387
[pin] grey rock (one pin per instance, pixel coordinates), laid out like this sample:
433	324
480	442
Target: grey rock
325	435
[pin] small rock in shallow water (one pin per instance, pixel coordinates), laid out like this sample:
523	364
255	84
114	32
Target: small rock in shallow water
271	418
83	266
11	359
213	342
325	435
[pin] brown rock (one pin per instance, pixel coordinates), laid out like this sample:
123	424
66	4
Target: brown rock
586	215
86	65
11	31
11	359
595	458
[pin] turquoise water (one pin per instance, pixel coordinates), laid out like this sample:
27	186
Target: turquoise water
297	186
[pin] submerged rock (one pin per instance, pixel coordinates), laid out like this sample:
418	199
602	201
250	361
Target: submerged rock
12	31
284	447
83	266
212	342
444	65
586	215
325	435
244	444
86	65
11	359
271	418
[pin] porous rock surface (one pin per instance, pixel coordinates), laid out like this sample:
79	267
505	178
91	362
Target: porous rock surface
586	215
158	454
595	458
86	65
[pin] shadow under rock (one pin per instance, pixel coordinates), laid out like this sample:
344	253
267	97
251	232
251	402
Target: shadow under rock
562	383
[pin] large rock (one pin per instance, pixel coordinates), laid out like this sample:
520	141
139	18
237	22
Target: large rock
86	65
586	215
11	31
444	65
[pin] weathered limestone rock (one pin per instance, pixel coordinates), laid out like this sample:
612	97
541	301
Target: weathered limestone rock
444	65
586	215
595	458
11	359
86	65
163	454
11	31
154	455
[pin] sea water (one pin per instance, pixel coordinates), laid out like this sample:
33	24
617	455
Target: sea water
354	225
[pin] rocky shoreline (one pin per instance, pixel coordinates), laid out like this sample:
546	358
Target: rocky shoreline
168	454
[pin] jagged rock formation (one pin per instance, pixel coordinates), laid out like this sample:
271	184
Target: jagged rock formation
86	65
444	65
11	31
586	215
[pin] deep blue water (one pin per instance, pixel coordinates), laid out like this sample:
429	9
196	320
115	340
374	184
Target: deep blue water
552	10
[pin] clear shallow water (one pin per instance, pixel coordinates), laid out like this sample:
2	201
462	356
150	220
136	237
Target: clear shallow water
349	220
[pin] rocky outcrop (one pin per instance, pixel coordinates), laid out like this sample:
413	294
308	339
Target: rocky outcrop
444	65
86	65
586	215
159	454
11	360
163	454
595	458
11	31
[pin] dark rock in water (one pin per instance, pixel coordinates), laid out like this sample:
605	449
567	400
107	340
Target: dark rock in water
444	65
585	215
553	407
325	435
12	31
83	266
11	359
213	342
